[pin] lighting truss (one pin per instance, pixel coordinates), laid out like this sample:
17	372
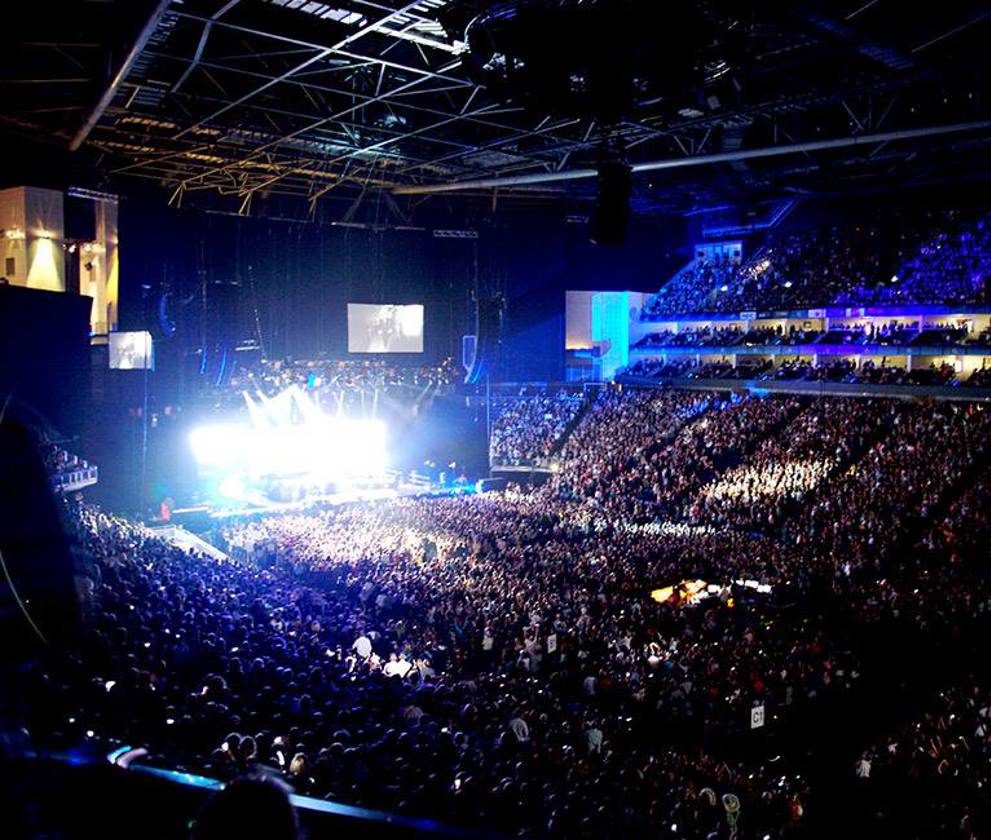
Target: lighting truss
319	101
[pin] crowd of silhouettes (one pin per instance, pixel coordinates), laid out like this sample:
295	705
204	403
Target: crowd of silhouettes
499	661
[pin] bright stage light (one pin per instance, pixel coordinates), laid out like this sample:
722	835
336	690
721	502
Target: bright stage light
290	439
220	445
232	487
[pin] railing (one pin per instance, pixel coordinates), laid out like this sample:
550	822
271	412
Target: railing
420	481
813	348
75	480
188	541
84	787
830	310
799	386
547	463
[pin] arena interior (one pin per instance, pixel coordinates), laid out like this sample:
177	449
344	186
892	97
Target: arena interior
495	419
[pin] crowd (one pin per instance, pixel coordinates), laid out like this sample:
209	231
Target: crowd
62	466
658	368
273	376
953	264
980	378
462	681
793	270
691	289
789	467
728	337
936	769
705	449
870	372
930	774
528	427
904	335
906	474
927	774
891	334
604	459
540	661
942	257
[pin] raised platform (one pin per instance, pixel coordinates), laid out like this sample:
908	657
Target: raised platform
403	490
77	479
187	541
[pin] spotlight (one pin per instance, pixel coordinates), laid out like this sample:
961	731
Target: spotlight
305	447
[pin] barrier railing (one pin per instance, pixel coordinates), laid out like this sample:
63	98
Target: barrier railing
799	386
76	479
130	781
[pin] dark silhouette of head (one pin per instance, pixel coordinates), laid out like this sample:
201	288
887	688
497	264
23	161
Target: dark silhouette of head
248	807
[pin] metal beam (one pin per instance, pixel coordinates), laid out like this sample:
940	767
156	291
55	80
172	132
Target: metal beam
73	80
319	56
494	144
108	95
246	30
223	10
966	24
701	160
347	94
418	132
321	122
251	94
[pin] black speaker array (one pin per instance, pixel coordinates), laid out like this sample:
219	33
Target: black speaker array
612	210
488	332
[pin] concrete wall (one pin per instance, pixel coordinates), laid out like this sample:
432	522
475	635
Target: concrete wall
33	229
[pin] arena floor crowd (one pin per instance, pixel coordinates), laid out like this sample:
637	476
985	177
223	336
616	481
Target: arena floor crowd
498	661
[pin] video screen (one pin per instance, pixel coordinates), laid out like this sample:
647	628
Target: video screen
131	351
374	328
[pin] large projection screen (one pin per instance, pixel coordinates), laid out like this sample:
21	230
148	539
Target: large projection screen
132	351
386	328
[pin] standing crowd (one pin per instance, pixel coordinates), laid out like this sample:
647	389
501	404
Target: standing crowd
581	659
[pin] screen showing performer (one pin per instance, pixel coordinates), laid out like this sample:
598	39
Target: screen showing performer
387	328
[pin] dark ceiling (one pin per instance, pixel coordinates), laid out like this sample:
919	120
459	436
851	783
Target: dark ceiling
251	103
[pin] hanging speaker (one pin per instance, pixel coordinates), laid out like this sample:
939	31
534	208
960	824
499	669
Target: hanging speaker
469	344
612	208
488	334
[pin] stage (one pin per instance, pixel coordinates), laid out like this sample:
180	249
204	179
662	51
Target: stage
200	517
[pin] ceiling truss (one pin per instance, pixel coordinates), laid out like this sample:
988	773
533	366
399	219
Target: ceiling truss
319	101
